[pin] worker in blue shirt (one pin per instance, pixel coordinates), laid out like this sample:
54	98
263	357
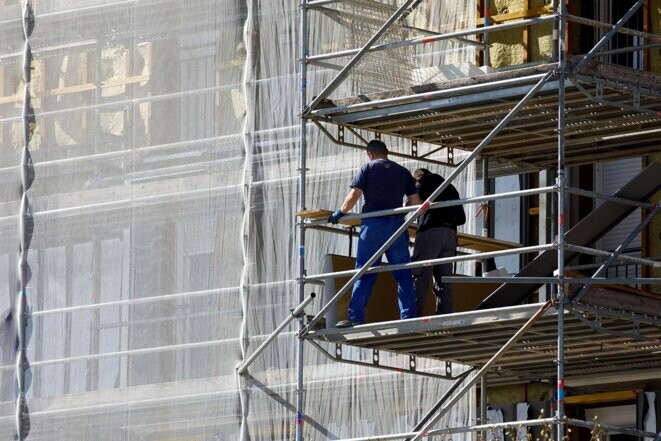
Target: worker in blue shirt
383	185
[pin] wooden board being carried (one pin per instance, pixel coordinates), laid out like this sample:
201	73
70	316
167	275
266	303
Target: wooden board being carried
469	241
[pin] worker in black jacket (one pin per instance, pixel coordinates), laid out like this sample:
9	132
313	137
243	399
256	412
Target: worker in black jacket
436	238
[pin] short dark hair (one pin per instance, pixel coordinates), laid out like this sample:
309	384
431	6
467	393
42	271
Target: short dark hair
377	147
421	172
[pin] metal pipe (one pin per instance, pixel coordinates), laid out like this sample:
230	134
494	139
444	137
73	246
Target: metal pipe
431	39
486	190
607	197
561	184
554	280
302	167
317	3
430	262
622	30
441	204
485	38
507	425
622	257
342	74
473	88
483	370
632	235
611	428
442	400
483	405
294	314
625	50
613	30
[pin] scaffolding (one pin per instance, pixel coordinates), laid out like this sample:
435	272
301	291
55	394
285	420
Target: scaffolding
602	111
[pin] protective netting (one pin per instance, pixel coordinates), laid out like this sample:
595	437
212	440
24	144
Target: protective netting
166	154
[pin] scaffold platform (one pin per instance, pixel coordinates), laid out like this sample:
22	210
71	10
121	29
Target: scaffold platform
599	341
612	112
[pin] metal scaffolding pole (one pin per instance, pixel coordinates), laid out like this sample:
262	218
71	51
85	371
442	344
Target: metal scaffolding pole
302	168
423	208
561	184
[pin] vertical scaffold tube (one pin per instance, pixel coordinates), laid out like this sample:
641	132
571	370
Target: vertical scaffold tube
561	184
26	227
303	39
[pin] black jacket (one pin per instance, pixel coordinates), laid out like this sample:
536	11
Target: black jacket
439	217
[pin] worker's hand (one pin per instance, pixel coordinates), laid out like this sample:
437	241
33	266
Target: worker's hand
335	217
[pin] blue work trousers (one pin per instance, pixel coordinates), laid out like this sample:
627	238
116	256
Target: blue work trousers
374	232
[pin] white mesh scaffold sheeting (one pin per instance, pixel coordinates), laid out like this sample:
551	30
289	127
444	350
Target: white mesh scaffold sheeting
165	150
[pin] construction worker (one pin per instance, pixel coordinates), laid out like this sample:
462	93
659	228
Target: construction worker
383	184
436	238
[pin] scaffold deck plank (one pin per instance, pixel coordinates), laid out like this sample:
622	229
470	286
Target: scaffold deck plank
612	112
471	338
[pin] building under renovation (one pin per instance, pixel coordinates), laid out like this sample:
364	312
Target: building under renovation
168	271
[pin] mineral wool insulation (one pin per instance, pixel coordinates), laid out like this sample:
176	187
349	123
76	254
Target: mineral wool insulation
165	150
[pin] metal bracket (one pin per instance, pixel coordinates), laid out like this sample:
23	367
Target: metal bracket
411	368
599	89
598	326
450	155
340	133
448	368
414	148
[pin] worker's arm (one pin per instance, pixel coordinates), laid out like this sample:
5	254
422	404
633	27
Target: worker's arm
351	199
347	205
413	199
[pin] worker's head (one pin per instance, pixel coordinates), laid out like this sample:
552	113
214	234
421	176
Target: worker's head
419	173
376	149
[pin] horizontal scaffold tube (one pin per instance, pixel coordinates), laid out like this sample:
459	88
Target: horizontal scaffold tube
507	425
627	31
621	257
431	39
569	280
612	428
442	204
431	262
607	197
456	91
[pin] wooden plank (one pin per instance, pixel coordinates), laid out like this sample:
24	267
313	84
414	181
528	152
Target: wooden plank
469	241
518	15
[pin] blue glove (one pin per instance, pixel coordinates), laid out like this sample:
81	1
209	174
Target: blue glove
335	217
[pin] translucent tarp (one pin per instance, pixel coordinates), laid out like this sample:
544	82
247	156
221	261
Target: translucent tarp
166	152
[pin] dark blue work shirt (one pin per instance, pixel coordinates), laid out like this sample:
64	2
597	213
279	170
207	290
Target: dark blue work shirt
384	184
